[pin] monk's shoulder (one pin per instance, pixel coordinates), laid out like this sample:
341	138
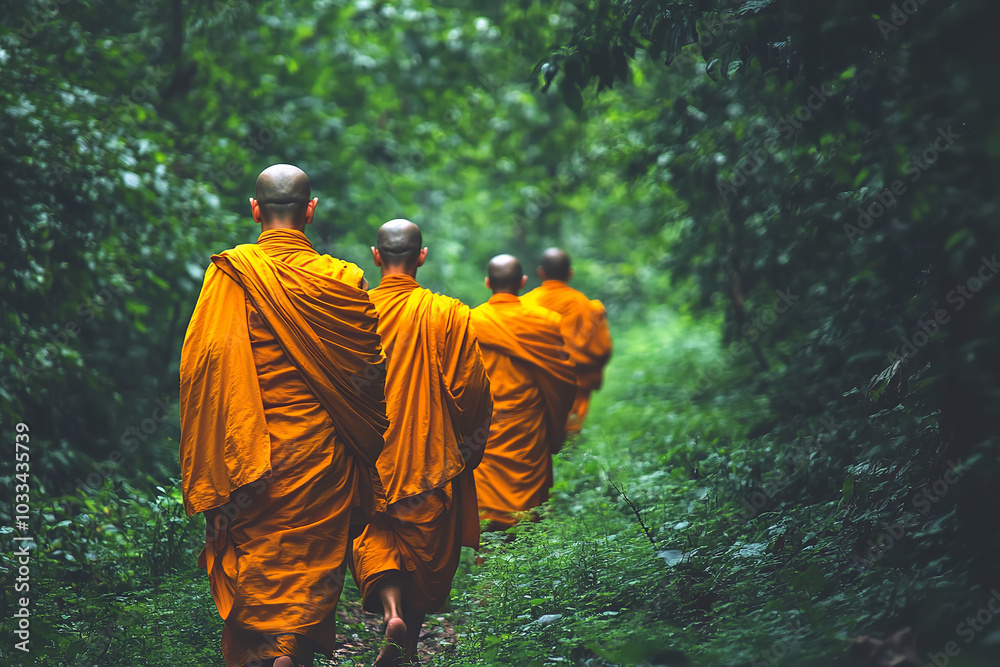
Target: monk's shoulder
241	249
579	297
448	303
478	315
532	296
449	311
542	314
339	269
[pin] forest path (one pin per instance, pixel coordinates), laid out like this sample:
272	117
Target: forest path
360	636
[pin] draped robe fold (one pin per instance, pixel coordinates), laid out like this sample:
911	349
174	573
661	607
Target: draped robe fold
533	387
282	418
439	407
585	330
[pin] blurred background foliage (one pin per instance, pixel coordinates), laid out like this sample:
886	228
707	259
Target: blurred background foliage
813	182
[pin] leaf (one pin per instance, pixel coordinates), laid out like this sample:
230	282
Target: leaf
671	556
754	6
711	71
571	95
131	179
847	492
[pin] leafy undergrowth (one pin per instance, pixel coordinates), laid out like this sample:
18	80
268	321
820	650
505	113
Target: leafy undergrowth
114	582
689	525
676	537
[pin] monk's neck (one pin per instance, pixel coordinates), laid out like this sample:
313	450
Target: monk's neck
278	240
393	271
292	227
505	297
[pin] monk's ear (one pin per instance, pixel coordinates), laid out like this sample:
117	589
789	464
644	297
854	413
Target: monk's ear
255	210
569	275
422	257
524	281
311	209
376	256
487	281
541	274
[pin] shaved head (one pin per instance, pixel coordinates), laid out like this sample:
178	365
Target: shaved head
397	248
283	193
555	264
505	274
399	242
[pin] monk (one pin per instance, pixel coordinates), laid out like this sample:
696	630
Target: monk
584	328
439	407
282	421
533	385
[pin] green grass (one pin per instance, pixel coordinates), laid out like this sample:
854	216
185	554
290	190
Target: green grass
646	553
709	584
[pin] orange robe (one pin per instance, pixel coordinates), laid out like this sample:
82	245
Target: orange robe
533	386
282	416
439	407
585	330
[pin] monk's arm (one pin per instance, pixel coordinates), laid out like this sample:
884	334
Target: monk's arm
602	334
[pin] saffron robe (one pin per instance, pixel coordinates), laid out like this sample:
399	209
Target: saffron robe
282	416
533	386
439	407
585	330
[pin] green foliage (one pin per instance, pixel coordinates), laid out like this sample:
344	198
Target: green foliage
113	581
838	157
808	187
720	580
97	233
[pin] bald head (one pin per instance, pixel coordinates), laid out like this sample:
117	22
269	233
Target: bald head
555	265
504	274
283	195
399	242
398	247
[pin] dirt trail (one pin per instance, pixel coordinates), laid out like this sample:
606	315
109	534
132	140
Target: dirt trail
360	636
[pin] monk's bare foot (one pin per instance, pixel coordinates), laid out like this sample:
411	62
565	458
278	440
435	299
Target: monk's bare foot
284	661
395	637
